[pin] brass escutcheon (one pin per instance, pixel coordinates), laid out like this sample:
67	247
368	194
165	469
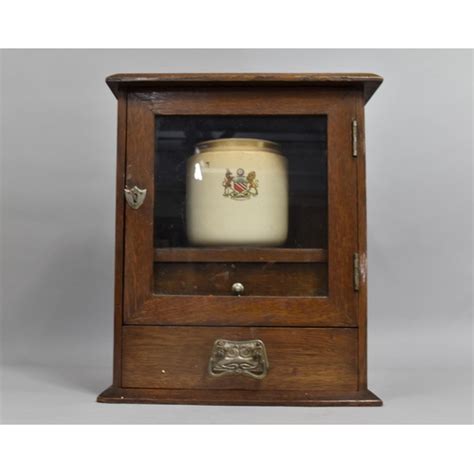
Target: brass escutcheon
134	196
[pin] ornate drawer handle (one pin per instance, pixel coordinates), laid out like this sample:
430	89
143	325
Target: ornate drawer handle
134	196
239	358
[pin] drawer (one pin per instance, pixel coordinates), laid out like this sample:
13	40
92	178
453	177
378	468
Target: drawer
179	358
259	279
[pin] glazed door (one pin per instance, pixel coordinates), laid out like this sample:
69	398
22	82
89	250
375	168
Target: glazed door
304	279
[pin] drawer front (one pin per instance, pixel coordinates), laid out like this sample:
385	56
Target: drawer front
179	358
258	279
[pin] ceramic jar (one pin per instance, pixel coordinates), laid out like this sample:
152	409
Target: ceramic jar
237	193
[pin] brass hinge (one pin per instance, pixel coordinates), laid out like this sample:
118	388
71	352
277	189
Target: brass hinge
354	138
356	269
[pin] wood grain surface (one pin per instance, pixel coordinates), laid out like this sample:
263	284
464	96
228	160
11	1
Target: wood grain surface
177	357
344	398
240	254
367	82
119	234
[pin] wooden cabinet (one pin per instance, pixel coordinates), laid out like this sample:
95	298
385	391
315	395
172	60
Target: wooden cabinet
241	324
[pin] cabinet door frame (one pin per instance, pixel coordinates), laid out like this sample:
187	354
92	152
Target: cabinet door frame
338	309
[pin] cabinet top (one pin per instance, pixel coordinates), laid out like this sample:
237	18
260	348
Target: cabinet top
367	81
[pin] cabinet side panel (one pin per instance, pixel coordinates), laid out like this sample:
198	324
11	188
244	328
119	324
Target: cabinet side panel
362	240
119	235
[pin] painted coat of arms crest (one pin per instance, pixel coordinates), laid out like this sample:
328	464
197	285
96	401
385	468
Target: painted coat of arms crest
240	187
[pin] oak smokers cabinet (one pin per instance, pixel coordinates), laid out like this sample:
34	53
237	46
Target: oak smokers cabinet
281	324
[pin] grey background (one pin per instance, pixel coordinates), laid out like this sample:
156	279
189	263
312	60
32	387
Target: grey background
57	237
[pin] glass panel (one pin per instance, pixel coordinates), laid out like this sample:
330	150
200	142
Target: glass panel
250	204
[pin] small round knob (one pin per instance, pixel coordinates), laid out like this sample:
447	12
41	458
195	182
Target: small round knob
238	288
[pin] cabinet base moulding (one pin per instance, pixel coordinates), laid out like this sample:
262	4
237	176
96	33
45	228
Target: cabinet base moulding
239	397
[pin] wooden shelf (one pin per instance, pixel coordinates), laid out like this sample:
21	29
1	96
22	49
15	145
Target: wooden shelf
240	254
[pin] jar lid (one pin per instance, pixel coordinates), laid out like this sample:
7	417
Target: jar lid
238	144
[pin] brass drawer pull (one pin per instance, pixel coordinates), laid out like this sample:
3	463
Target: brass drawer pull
239	358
